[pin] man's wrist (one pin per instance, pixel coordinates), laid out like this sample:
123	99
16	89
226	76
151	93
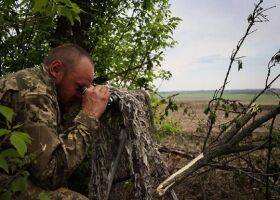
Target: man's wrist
92	114
87	120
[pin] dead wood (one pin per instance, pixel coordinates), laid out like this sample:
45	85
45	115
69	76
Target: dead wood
225	147
175	151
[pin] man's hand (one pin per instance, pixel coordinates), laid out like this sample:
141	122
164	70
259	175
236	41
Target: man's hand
95	100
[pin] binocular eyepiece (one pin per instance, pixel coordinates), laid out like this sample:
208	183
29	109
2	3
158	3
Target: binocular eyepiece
113	99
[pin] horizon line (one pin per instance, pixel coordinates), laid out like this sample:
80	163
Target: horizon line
215	89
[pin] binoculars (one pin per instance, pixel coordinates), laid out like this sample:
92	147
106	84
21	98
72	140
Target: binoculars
113	99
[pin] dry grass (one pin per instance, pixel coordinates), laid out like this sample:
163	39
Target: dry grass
215	184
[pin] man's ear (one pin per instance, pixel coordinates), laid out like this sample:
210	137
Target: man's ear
56	70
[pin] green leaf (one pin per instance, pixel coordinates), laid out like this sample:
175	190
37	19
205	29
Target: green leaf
66	2
65	12
212	117
24	136
223	127
44	196
10	153
6	195
3	132
4	164
226	114
19	185
18	143
239	65
147	4
7	112
78	19
39	4
206	111
75	8
277	57
25	174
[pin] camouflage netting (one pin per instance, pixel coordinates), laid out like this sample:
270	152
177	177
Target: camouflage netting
140	168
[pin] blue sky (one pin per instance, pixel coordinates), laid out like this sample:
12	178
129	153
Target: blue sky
206	36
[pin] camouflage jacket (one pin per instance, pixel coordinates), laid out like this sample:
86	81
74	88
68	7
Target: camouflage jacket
32	95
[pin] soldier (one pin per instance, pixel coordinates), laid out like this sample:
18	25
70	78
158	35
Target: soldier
40	96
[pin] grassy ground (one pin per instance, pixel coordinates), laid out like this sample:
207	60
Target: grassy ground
215	184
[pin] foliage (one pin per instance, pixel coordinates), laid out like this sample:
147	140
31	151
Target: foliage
163	105
127	39
57	8
169	127
44	196
161	108
13	157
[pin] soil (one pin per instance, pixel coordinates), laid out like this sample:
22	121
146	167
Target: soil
217	184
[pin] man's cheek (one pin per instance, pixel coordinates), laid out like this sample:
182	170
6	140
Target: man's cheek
75	98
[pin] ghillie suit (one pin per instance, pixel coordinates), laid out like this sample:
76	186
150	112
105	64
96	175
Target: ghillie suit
140	168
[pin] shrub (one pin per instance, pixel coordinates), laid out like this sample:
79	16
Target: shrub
13	155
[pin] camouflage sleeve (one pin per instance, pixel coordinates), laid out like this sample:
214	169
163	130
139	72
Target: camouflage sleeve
65	150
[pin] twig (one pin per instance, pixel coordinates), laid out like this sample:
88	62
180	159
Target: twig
251	19
176	151
218	151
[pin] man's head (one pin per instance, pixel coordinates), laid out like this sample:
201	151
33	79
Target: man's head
70	67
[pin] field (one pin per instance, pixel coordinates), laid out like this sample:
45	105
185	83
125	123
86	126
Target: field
241	95
216	184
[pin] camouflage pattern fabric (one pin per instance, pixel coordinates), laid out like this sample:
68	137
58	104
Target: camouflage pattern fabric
140	168
32	95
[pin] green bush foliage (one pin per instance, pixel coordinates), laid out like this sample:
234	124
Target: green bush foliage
165	126
127	38
13	155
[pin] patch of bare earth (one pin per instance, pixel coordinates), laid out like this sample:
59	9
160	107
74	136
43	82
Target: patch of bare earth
214	184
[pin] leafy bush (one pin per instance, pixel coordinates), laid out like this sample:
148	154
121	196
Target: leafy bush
161	108
165	128
169	127
126	38
13	155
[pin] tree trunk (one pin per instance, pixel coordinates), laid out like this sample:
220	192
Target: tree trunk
78	33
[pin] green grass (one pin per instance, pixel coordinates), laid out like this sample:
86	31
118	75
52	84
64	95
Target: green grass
242	95
166	128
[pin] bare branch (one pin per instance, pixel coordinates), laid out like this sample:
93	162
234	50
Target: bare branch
255	124
176	151
252	19
237	125
224	148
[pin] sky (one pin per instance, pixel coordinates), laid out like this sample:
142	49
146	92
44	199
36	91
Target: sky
206	36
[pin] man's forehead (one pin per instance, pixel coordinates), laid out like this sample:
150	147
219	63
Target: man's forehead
85	77
83	74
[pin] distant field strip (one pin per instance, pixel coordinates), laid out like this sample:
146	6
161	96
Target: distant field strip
266	99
